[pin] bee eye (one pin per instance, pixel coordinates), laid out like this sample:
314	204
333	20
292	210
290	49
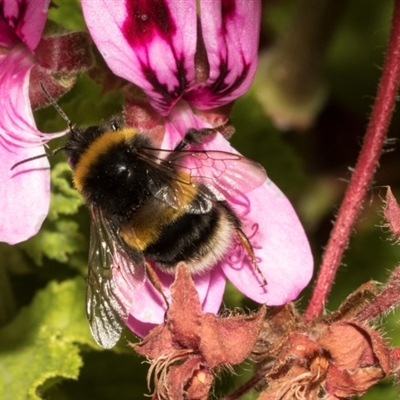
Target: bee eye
114	126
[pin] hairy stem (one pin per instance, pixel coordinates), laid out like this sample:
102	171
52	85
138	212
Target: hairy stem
364	170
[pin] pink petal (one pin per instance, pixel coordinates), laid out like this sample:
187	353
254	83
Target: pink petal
231	31
17	124
148	42
24	192
280	244
213	300
8	37
26	19
180	120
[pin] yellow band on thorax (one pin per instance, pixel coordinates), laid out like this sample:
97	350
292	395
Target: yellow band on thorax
97	148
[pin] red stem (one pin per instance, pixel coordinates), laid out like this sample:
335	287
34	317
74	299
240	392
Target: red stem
364	170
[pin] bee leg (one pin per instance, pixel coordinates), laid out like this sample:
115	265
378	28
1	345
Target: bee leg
244	241
194	136
155	281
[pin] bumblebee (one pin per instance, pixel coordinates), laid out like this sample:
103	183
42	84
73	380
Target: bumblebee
151	205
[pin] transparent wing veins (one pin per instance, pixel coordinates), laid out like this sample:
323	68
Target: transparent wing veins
227	173
107	310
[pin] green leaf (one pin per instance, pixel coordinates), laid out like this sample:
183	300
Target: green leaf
57	244
64	198
67	13
39	347
59	238
106	376
383	390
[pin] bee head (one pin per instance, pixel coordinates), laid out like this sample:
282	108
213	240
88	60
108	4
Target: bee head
80	139
108	170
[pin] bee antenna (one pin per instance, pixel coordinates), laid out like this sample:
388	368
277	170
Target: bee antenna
63	116
57	107
52	153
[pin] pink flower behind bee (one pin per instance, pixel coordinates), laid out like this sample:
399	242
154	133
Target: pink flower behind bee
24	193
26	61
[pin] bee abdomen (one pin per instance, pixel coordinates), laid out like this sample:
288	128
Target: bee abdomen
200	240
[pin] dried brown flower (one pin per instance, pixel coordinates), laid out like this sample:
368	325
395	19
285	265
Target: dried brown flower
335	355
187	349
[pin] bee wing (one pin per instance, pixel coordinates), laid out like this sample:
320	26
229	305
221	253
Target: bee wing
174	186
107	308
230	174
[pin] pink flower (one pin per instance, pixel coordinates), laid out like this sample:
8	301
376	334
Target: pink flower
156	45
25	192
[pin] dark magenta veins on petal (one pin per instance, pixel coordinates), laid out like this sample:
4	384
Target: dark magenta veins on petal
15	22
228	8
168	95
147	19
220	87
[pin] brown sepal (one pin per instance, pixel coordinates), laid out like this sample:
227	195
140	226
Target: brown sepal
192	379
60	57
392	214
185	314
336	355
68	52
353	304
157	342
359	358
189	334
395	357
383	302
141	115
229	340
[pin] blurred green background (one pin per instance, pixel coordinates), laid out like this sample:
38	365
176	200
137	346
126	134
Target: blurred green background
44	327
